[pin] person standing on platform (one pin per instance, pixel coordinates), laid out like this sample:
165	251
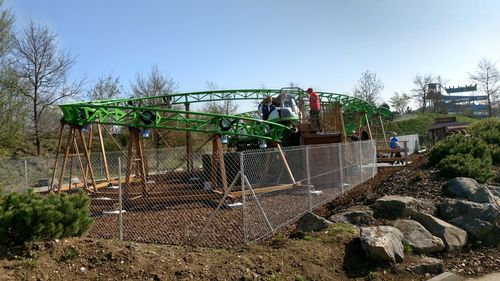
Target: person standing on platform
314	108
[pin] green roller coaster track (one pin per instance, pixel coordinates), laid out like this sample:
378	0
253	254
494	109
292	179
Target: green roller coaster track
157	112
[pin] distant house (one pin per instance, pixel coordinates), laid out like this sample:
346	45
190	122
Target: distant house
446	126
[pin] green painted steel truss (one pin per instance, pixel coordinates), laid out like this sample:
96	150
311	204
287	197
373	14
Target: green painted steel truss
157	112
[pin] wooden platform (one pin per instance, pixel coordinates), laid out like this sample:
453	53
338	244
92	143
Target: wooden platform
312	137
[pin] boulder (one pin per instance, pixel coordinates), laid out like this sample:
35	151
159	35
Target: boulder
483	195
311	222
357	215
478	229
419	238
452	208
495	190
427	265
461	187
382	243
470	189
453	237
393	207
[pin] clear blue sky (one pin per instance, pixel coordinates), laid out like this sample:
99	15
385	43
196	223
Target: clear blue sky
250	43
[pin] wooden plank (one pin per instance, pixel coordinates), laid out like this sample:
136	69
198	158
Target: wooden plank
286	163
390	159
263	190
388	150
177	199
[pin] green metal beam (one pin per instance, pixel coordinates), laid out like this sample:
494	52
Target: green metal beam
156	112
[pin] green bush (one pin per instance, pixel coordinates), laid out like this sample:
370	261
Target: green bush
30	216
489	132
465	165
459	144
463	156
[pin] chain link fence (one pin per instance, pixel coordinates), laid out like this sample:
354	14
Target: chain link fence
194	199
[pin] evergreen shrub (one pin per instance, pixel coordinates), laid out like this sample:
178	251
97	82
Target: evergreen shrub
30	216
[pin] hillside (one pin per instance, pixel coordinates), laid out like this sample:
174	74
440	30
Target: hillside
419	123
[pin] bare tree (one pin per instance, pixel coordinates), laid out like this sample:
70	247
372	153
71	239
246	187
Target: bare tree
43	70
400	101
153	84
219	107
368	87
487	78
106	87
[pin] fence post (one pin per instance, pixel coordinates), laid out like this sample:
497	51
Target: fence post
242	178
120	200
359	162
405	147
26	175
374	169
341	168
308	174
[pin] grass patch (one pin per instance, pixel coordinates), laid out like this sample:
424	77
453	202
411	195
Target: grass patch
341	228
407	249
70	253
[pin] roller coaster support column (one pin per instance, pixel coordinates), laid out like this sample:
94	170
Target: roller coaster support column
383	131
368	125
103	152
135	140
56	162
71	150
286	163
218	162
189	144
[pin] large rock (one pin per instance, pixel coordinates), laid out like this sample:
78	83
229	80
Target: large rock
393	207
461	187
495	190
478	229
469	189
311	222
453	237
382	243
357	215
427	265
419	238
452	208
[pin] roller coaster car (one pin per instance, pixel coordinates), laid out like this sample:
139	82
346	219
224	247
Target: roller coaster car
283	109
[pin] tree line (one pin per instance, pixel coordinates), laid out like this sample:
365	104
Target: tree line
486	76
34	78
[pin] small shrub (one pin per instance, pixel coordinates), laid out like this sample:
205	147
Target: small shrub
465	165
487	130
70	253
419	176
458	144
308	237
407	248
371	276
495	153
29	263
29	216
300	278
278	241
